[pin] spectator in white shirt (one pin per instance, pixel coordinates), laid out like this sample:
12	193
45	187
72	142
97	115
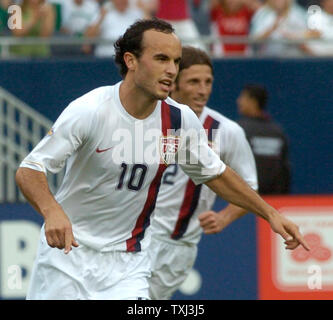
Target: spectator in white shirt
111	22
279	20
78	15
322	21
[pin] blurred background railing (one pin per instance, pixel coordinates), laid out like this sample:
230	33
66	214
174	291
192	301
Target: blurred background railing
72	46
21	128
224	28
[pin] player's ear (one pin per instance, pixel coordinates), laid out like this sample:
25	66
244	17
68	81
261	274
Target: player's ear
130	61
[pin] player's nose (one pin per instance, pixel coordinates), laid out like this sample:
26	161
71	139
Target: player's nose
172	69
202	89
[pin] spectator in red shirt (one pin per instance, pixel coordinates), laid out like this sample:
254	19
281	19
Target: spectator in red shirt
231	18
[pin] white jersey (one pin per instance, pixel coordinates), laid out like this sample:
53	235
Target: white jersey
180	201
114	167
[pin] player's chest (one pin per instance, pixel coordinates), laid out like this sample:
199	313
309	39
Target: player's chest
123	143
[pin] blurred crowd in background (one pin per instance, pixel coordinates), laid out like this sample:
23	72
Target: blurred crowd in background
223	28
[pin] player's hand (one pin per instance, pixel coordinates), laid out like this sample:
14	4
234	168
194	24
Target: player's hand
58	231
211	222
289	232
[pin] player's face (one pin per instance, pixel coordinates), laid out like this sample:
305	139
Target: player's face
158	65
194	87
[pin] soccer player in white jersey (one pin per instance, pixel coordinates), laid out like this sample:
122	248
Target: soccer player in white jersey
101	213
183	209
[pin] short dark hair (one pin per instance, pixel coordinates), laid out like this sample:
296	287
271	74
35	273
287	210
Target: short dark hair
257	92
131	40
191	56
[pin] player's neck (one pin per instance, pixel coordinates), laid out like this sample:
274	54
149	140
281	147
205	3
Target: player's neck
135	102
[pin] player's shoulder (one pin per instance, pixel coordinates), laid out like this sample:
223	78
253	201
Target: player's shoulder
92	101
188	118
173	103
183	108
226	124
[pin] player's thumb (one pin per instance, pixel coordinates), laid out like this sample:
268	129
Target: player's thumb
205	215
202	216
69	241
74	243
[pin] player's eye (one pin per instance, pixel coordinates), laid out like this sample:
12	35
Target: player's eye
177	61
162	58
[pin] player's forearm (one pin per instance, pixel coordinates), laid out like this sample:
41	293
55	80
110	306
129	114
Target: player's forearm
35	188
232	188
231	213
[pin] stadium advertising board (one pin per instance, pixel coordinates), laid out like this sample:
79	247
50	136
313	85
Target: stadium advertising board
298	274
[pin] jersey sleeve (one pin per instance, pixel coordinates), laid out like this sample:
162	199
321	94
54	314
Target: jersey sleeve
68	133
237	154
195	157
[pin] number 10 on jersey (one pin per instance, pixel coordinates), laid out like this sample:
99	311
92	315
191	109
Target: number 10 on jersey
133	174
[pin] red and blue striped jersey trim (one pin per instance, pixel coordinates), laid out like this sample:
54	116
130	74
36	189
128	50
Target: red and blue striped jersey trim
190	203
210	124
192	192
171	119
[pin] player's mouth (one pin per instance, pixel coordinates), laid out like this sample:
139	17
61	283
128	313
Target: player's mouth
200	102
166	85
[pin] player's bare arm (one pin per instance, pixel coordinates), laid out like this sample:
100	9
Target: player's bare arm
233	189
213	222
58	228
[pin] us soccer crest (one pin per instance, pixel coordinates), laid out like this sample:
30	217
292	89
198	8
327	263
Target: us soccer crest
168	148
